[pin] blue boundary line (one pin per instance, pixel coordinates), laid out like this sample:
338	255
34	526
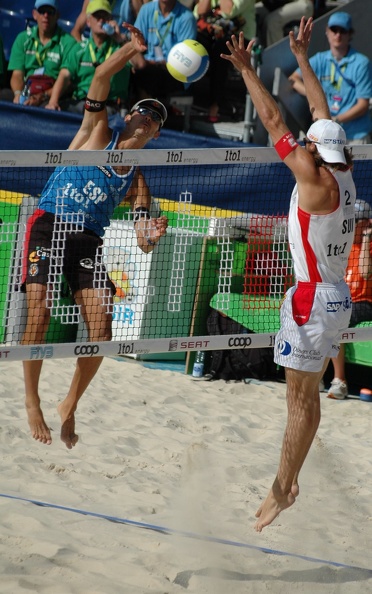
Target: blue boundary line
194	535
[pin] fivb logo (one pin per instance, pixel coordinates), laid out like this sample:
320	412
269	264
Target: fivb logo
178	55
333	306
37	352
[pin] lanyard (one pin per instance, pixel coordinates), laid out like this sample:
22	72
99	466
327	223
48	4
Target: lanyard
161	38
94	56
40	56
340	71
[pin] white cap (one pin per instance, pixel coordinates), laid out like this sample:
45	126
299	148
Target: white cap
330	140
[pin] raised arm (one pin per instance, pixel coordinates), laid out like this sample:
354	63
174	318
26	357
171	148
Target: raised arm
313	89
99	89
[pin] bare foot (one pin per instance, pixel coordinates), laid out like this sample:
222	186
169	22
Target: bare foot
274	503
68	435
39	429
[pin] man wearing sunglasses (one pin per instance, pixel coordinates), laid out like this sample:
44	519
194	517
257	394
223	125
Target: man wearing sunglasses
346	78
92	193
37	54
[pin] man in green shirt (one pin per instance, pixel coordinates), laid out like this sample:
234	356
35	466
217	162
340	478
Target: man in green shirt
40	51
79	66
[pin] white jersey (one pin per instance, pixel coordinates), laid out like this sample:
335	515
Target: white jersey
320	244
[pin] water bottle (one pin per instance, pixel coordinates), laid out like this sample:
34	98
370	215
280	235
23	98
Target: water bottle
25	94
198	368
107	28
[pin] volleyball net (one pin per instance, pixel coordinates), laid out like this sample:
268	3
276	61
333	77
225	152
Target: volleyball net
226	248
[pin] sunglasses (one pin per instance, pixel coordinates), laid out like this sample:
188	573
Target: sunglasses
339	30
144	111
49	10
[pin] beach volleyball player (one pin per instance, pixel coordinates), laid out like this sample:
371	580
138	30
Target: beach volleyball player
320	228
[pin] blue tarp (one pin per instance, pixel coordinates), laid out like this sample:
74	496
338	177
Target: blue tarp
247	188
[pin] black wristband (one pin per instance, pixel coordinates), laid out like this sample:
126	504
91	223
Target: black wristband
93	105
141	213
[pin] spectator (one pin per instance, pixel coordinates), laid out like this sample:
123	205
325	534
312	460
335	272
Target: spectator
359	278
129	10
230	16
163	24
274	15
37	54
79	66
80	25
92	193
346	77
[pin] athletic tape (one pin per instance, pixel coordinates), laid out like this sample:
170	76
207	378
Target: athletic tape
194	535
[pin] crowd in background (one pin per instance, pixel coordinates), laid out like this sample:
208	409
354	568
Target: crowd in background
51	67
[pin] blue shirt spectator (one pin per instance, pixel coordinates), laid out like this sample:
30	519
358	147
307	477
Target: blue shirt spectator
346	77
163	24
161	31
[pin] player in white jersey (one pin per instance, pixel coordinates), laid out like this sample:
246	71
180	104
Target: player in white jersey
321	228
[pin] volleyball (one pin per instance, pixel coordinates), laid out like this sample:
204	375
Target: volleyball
188	61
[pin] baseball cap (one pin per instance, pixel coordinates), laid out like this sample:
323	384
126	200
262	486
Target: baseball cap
152	105
340	19
363	210
96	5
330	140
53	3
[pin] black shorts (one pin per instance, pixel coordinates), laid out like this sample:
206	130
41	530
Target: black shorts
77	255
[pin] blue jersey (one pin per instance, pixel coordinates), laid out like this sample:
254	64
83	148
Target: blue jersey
162	33
345	82
92	191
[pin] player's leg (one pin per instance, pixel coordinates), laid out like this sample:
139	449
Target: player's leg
302	423
38	317
96	307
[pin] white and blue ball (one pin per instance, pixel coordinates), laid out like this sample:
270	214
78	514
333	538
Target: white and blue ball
188	61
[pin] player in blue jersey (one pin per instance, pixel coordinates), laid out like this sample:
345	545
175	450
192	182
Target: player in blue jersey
91	193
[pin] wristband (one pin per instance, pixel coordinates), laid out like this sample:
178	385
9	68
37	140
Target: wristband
141	213
93	105
286	145
17	92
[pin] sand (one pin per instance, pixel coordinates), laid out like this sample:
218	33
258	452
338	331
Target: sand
185	465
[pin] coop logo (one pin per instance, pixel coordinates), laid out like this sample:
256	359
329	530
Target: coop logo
87	263
284	348
87	350
240	341
333	306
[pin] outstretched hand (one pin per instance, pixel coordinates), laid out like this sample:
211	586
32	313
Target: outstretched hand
300	46
137	39
240	56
